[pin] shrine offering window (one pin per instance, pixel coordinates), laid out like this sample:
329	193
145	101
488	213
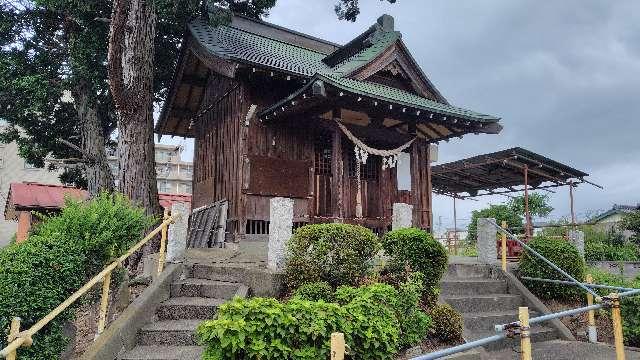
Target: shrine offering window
368	171
323	156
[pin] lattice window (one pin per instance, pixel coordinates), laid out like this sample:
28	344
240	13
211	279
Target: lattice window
368	171
323	156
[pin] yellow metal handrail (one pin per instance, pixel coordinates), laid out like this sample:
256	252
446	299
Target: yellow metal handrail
18	339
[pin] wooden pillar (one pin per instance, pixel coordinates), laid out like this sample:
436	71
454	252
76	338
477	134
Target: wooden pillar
421	185
429	190
24	225
337	205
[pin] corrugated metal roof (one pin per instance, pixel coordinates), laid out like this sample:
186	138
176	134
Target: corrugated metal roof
36	196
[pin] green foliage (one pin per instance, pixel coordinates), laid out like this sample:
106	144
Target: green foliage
538	205
629	305
421	252
350	9
339	254
631	222
447	323
57	259
595	251
561	253
500	213
314	291
261	328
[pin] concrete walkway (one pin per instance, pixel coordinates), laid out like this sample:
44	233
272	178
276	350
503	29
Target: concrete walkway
565	350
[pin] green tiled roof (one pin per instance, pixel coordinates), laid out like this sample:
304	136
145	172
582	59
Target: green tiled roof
387	93
243	46
259	50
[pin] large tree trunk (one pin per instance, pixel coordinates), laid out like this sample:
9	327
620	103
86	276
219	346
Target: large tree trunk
97	171
131	44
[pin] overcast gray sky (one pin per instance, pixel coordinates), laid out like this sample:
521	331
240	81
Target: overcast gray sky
564	76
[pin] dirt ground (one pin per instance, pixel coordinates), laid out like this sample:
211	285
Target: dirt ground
86	320
578	323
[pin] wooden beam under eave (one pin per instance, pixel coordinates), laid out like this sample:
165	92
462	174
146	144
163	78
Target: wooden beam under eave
194	80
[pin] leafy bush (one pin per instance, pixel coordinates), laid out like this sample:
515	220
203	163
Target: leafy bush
261	328
599	251
629	305
59	256
314	292
418	249
561	253
414	323
447	323
339	254
631	222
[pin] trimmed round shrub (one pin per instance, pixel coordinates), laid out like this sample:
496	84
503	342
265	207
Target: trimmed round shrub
447	323
338	254
421	252
61	254
561	253
314	291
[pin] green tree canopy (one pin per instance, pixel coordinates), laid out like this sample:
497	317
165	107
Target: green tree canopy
501	212
631	222
538	205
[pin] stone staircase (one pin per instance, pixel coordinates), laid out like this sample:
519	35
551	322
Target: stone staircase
195	297
484	299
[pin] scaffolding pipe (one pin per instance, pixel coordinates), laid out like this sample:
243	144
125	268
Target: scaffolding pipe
587	284
460	348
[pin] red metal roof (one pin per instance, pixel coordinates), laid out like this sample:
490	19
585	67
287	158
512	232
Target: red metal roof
36	196
166	200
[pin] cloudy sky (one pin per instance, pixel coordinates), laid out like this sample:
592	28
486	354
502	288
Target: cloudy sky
564	76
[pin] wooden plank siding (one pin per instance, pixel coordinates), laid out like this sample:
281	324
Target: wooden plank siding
225	145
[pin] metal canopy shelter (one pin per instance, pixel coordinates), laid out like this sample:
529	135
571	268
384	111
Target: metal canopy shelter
501	173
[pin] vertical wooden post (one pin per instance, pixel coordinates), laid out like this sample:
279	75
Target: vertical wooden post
525	340
13	332
617	326
527	216
337	346
163	242
504	247
104	302
593	333
337	207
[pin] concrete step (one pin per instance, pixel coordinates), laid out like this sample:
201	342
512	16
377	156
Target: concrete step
163	353
472	286
205	288
538	334
467	271
216	272
487	320
169	332
179	308
483	303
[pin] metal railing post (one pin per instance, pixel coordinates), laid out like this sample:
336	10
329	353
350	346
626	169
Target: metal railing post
13	332
163	242
617	325
104	302
525	339
337	346
504	247
593	332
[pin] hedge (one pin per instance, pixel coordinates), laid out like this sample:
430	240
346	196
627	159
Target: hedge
339	254
61	254
421	252
561	253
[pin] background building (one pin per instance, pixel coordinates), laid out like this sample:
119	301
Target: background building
13	168
174	175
